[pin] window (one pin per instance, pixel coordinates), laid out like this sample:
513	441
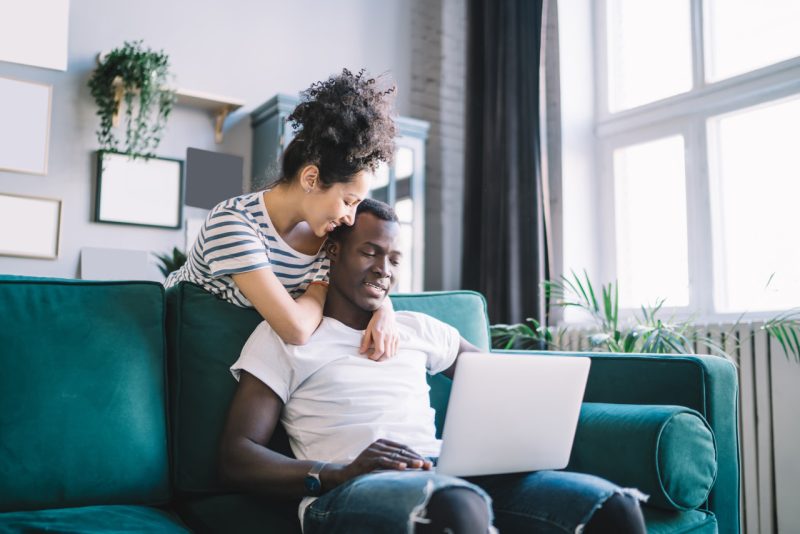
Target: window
662	271
697	123
401	185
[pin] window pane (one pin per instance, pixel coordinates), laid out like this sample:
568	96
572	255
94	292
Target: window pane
755	187
405	210
403	162
405	213
652	248
649	51
381	176
742	35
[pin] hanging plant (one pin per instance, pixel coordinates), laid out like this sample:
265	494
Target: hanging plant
138	77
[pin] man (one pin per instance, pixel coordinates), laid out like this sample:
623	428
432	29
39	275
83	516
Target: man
363	431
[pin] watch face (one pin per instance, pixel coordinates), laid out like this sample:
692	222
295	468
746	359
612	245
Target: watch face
313	485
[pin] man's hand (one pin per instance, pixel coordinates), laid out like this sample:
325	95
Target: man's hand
382	454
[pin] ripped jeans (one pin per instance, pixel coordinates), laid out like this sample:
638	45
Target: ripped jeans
394	501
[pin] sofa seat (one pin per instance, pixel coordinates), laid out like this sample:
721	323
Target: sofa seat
89	519
253	514
674	522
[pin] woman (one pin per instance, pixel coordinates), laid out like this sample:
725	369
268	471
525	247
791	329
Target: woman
266	249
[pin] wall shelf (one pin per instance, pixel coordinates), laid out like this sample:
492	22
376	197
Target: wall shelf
218	106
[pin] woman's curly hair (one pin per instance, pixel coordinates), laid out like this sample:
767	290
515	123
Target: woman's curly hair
344	126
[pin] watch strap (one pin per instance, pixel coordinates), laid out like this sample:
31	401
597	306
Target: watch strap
316	469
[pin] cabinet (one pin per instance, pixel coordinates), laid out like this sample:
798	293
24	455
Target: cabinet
401	184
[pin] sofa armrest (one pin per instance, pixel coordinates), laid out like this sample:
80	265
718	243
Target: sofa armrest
706	384
667	452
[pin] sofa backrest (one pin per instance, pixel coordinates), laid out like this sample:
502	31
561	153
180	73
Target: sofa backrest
205	336
83	394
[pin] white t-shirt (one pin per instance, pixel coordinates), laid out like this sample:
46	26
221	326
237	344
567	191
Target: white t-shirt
337	401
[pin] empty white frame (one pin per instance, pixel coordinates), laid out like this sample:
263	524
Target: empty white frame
35	32
140	191
30	226
24	126
115	264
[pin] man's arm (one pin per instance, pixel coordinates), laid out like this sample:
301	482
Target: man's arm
246	463
464	346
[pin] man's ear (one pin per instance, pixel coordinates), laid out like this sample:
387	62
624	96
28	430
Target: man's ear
332	249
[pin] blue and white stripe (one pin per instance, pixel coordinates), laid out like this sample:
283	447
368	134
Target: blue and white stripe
238	237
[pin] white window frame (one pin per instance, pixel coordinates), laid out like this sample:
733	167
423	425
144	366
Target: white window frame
685	114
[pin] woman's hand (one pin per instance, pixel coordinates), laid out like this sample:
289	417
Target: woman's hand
381	334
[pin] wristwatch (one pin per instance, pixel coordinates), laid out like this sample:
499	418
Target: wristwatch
312	482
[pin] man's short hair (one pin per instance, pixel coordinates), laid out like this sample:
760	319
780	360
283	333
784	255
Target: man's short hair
379	209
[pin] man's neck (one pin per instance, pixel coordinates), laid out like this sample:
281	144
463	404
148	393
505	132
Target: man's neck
339	308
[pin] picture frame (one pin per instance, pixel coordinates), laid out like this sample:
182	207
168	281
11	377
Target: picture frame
25	128
37	226
36	34
139	191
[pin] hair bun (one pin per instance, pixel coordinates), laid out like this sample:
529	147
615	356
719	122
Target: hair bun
346	118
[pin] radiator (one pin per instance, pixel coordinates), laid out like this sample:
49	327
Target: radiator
769	424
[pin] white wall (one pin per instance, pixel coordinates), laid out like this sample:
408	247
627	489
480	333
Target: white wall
246	49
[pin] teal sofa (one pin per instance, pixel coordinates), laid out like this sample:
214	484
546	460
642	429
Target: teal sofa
113	395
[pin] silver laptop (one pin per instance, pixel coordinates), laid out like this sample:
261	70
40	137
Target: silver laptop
511	413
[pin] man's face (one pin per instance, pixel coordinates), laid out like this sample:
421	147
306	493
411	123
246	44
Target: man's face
365	263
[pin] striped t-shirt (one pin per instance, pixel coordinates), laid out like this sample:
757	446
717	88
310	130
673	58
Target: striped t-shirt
238	237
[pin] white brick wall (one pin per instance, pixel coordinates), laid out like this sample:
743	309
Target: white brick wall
438	76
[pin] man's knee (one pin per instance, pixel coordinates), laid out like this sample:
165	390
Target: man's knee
457	510
619	514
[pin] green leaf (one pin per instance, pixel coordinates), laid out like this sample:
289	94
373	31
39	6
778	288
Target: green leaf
630	342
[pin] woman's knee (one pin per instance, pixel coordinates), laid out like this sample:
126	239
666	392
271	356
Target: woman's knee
619	514
457	510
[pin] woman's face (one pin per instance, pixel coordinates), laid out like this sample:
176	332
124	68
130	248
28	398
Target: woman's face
336	205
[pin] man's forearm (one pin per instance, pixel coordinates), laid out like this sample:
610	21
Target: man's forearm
249	466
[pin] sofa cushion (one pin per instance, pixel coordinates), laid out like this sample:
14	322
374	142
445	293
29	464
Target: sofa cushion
91	519
674	522
465	310
254	514
204	338
667	452
83	394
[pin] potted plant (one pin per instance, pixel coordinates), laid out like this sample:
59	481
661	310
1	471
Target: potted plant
171	261
137	77
646	332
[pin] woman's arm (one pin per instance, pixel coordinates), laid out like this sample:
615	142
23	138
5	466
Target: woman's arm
381	334
293	319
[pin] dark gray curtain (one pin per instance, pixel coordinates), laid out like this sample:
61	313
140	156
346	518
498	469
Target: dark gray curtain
504	235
